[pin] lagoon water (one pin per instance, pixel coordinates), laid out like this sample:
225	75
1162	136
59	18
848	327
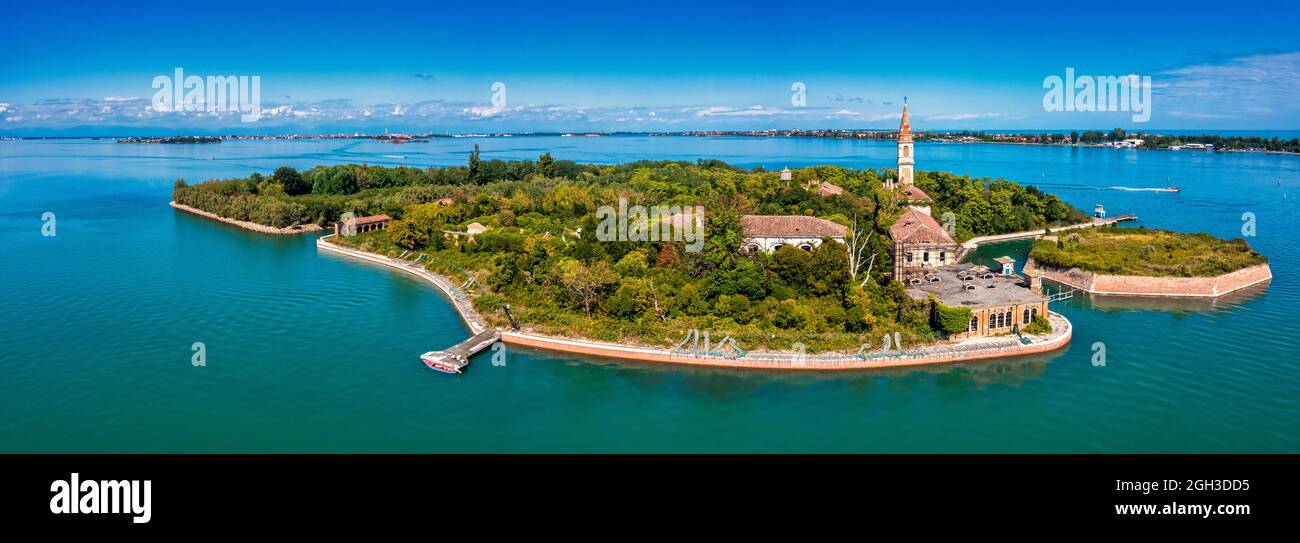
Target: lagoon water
308	352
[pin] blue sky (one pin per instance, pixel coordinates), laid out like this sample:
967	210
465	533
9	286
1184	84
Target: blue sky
67	68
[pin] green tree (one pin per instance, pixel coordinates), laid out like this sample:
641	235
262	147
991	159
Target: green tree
586	282
337	180
547	165
291	180
476	168
828	270
406	236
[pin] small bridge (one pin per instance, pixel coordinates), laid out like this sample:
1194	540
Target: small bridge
457	357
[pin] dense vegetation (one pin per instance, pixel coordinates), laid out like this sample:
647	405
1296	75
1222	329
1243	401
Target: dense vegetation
540	257
1139	251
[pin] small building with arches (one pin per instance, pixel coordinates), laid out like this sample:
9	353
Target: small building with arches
361	224
767	233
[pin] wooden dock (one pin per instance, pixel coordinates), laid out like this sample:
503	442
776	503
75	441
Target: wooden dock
455	359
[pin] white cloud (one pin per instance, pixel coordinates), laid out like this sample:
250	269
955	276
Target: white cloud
961	116
752	111
1249	86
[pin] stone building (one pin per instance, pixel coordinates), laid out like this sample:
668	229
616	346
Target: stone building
999	303
919	243
906	159
362	224
768	233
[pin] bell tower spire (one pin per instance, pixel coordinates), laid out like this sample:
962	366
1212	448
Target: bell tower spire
906	160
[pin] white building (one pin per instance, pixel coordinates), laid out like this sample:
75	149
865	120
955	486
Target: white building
768	233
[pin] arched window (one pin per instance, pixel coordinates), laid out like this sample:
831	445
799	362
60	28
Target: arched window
1027	317
751	248
974	324
1006	318
1033	312
777	247
806	246
907	151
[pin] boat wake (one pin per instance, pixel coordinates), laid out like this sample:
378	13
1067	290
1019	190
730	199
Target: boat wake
1144	189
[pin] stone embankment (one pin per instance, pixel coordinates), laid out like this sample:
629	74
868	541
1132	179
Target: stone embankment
295	229
1135	285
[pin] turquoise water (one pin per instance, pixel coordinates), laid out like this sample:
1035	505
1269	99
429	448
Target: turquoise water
308	352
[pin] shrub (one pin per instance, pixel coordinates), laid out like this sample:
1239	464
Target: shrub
951	320
1040	326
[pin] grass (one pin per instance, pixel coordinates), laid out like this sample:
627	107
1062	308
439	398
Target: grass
1150	253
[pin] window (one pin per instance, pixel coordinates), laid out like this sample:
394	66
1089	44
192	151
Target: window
806	246
974	324
751	248
777	247
909	257
1006	318
1027	317
943	257
925	256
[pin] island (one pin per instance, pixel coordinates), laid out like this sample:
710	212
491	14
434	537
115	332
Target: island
687	262
1147	262
172	140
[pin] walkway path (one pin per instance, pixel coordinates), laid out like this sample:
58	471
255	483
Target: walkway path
973	243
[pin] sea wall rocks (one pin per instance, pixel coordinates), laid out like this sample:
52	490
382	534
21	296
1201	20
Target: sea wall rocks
296	229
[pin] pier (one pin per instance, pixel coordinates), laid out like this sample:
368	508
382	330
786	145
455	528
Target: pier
455	359
973	243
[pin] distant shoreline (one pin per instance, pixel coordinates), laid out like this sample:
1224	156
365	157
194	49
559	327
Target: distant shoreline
851	135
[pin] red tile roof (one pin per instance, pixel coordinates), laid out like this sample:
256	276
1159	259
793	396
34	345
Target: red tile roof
915	195
372	219
917	227
790	226
826	188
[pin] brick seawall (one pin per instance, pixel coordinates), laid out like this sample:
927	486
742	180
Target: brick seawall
1134	285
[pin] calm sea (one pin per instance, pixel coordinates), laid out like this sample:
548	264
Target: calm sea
308	352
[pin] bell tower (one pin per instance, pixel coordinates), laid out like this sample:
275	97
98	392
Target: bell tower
906	160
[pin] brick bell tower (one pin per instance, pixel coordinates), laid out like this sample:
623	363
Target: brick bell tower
906	160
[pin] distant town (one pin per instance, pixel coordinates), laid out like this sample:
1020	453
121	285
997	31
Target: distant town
1090	138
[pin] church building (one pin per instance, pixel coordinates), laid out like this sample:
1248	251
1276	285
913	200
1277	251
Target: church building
918	241
926	262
